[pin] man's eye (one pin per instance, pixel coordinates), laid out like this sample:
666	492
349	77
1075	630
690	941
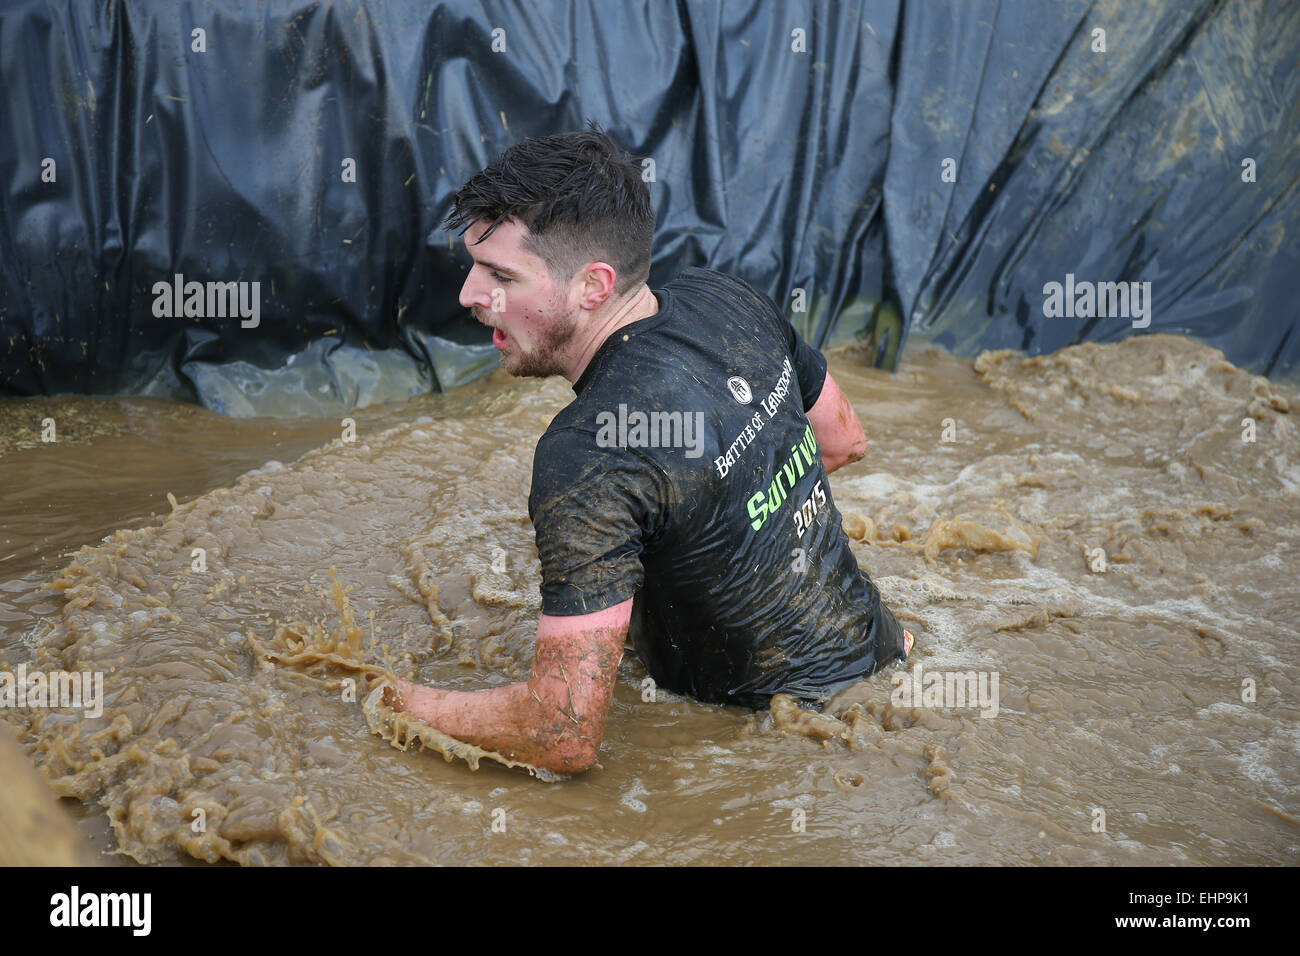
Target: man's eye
500	278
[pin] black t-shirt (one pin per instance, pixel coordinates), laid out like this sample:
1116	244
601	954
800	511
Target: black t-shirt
685	474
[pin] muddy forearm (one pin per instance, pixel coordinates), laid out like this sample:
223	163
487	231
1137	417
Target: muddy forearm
557	719
846	451
509	720
832	462
835	424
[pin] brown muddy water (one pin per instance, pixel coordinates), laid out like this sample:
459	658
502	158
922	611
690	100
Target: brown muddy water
1146	709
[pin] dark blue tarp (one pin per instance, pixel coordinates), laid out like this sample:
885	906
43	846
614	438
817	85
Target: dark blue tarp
801	145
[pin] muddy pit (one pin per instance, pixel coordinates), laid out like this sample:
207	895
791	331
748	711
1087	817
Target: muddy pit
1096	532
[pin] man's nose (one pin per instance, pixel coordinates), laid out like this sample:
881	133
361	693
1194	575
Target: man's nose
473	293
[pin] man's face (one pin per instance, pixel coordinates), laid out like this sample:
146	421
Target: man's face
510	289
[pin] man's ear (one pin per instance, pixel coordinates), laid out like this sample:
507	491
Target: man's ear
597	280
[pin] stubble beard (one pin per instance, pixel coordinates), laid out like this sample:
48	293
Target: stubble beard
545	359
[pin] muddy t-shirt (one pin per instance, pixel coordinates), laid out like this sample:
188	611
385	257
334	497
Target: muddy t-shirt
685	474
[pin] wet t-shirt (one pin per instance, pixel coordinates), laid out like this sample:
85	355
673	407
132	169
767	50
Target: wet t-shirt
686	475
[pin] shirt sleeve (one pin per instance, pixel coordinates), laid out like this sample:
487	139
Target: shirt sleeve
593	509
809	364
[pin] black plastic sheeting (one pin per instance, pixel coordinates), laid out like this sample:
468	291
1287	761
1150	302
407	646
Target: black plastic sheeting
801	145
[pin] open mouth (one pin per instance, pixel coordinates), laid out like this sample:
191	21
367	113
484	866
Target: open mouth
499	338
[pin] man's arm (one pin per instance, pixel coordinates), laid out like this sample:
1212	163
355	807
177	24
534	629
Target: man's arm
556	720
835	423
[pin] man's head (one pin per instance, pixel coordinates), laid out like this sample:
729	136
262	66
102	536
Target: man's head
557	226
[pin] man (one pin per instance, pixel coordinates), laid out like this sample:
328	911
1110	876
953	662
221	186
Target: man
681	499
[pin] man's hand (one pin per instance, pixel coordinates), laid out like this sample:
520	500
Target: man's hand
556	720
413	698
835	423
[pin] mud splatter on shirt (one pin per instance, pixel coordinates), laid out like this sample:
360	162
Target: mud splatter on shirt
685	474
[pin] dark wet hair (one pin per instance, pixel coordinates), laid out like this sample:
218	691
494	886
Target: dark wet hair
581	196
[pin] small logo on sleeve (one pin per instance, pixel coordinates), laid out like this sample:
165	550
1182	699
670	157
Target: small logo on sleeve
740	390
